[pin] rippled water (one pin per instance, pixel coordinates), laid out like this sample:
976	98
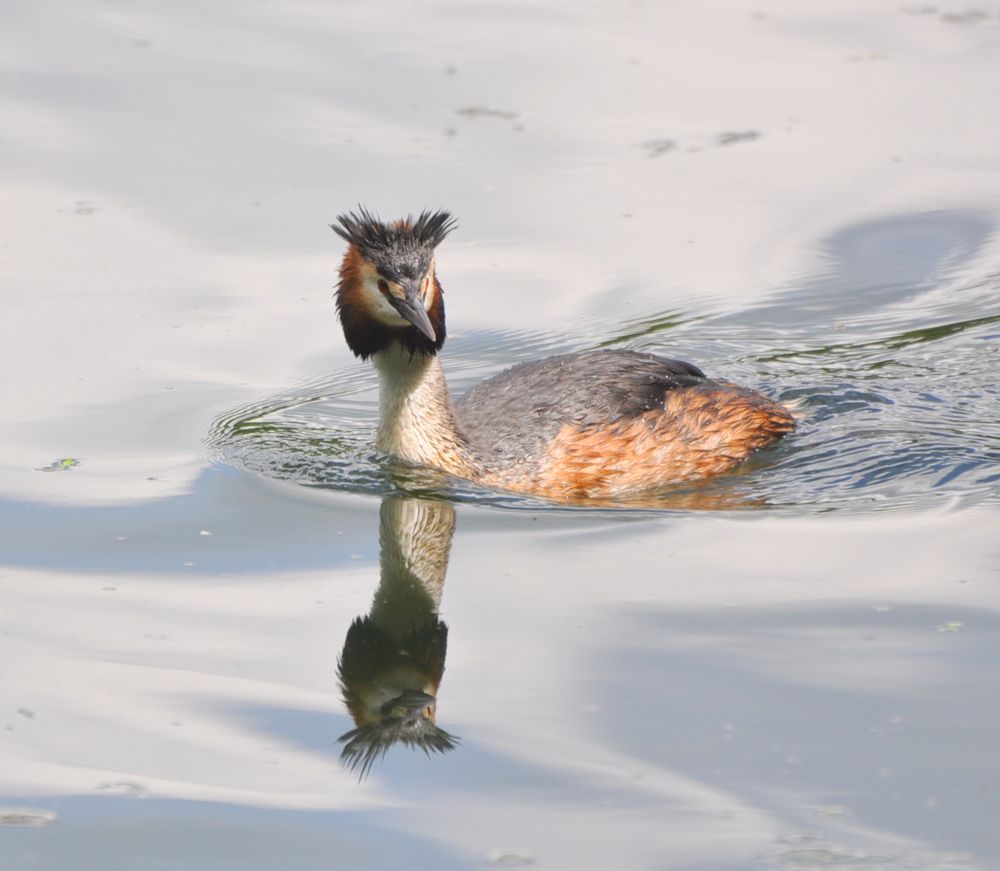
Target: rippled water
890	358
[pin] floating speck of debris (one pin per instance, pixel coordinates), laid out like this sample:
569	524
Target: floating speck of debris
813	851
486	112
970	16
204	532
63	464
656	147
28	818
831	810
950	626
26	713
188	564
512	858
110	589
123	787
84	207
121	538
732	137
799	852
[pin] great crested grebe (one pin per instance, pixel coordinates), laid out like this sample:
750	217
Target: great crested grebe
591	425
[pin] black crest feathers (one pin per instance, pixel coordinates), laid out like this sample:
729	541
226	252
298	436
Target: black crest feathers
399	247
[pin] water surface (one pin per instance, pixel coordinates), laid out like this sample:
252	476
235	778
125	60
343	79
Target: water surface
788	668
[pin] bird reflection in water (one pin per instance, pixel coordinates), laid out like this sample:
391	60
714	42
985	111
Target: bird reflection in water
393	658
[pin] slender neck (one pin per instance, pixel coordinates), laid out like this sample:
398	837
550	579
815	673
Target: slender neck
414	542
416	420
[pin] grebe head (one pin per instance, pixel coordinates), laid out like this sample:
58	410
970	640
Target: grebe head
388	292
389	686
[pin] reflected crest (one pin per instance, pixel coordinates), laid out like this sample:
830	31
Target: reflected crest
393	657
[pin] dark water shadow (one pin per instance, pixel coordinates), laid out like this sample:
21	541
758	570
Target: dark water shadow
872	268
124	834
821	699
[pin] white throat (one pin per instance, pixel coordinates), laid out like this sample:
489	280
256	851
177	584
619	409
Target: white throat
416	422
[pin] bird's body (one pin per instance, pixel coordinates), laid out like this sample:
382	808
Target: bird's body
592	425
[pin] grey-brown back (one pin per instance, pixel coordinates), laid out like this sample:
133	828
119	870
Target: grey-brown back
509	418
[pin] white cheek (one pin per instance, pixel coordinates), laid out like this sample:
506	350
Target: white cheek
381	309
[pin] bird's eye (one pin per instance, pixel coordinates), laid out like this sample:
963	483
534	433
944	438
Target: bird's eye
383	285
